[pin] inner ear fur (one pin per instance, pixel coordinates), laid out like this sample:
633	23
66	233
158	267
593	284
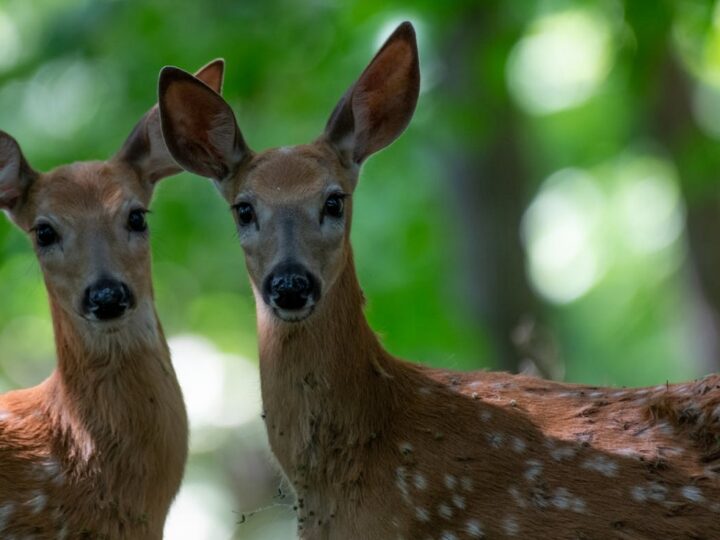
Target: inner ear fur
199	126
378	107
145	149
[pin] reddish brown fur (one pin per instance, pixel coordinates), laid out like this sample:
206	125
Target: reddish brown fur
98	449
340	412
376	447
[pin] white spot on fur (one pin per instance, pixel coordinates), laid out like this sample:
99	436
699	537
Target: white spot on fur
495	439
518	445
458	501
584	437
578	505
52	471
676	451
445	511
420	481
422	514
401	482
447	535
87	449
37	502
466	483
6	512
596	394
601	464
534	470
450	481
692	493
285	150
511	526
563	452
561	498
652	491
628	452
474	529
406	447
665	428
638	493
656	492
5	415
517	497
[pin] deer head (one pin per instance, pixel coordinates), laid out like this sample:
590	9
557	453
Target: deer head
87	224
293	205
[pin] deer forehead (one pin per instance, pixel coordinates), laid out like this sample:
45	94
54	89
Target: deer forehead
293	175
87	190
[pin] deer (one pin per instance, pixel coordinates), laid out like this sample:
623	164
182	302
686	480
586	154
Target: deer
98	449
378	447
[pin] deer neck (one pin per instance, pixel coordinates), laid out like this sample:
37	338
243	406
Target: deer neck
115	392
320	382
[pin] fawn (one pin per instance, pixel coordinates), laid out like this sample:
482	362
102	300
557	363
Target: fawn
376	447
98	449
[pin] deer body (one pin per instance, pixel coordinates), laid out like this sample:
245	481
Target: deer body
98	450
379	448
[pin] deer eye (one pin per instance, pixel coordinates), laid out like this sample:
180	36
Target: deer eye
136	221
245	213
45	235
334	206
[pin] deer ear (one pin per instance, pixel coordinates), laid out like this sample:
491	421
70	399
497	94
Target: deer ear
378	107
16	176
145	148
199	126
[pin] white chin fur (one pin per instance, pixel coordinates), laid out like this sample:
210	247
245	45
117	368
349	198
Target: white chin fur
293	316
137	327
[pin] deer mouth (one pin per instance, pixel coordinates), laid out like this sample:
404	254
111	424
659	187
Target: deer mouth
295	315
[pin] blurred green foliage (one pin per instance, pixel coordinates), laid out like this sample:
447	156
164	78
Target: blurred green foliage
614	167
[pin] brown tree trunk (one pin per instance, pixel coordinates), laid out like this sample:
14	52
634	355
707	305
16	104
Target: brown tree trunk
488	178
673	125
665	91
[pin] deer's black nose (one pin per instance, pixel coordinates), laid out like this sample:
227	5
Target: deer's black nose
107	299
290	287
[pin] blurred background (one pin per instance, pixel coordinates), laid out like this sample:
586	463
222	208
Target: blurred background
554	207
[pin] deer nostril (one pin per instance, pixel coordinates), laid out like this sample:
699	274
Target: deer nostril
107	299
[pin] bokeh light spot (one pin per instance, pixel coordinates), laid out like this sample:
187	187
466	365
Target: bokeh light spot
62	97
650	211
561	62
10	44
558	230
